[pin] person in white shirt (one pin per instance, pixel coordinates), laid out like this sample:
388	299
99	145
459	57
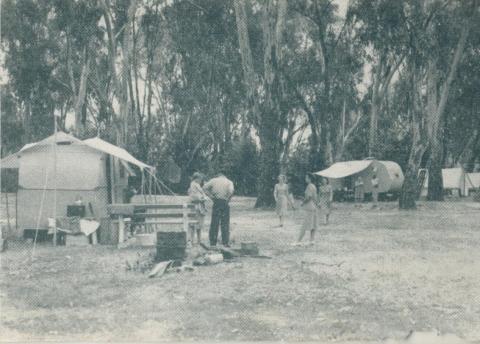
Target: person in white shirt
375	190
220	189
359	189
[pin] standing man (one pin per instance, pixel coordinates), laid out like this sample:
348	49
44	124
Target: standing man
359	189
220	190
375	190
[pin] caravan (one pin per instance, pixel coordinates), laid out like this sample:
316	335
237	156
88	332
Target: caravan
342	176
92	170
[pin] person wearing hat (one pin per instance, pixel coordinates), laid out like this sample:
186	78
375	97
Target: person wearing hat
198	198
220	189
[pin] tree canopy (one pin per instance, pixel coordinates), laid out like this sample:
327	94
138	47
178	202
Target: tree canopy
256	88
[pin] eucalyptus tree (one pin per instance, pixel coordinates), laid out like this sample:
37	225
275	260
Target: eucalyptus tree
327	70
430	85
266	91
31	54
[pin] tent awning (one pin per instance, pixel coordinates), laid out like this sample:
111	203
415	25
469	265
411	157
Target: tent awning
344	169
108	148
95	143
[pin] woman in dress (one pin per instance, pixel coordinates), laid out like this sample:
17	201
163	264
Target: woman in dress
282	198
325	197
198	198
310	208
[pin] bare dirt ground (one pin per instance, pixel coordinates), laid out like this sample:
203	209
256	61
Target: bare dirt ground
373	274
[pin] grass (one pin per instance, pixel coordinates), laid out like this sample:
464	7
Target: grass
373	274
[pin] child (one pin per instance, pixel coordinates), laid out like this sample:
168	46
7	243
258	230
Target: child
198	198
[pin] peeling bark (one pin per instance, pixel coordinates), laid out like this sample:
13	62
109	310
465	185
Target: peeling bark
410	188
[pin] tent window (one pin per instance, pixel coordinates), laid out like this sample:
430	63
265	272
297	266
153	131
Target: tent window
122	171
64	143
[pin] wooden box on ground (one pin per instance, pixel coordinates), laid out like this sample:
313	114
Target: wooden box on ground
171	245
108	231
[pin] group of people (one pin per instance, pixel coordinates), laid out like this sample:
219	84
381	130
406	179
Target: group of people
314	204
220	190
360	190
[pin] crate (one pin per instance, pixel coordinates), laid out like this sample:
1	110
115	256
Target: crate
171	246
108	232
31	233
170	253
75	210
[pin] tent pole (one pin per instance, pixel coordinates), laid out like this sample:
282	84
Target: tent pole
143	187
16	210
55	181
8	213
150	186
112	178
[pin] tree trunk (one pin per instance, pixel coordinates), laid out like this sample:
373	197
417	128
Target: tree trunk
435	179
372	134
435	134
381	81
410	188
247	64
273	114
269	160
120	82
82	94
435	117
272	119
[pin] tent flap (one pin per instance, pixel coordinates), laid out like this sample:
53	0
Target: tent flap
344	169
108	148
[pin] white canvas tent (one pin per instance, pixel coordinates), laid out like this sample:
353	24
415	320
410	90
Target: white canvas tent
65	167
454	179
474	179
389	173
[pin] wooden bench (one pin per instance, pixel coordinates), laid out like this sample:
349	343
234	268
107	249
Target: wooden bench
149	217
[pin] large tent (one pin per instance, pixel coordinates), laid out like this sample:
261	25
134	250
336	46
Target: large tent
66	168
474	179
344	173
454	179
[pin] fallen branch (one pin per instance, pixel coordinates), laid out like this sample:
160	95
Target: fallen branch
325	264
